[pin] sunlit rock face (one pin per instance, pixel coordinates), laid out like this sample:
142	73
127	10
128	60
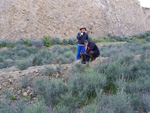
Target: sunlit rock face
32	19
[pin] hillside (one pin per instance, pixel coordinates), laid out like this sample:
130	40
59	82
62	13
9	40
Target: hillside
33	19
35	78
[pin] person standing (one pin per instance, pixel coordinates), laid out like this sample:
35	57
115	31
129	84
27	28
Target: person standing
81	37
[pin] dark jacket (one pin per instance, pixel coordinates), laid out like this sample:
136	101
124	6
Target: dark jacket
92	47
82	38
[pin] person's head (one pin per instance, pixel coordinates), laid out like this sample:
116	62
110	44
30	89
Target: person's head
86	42
83	29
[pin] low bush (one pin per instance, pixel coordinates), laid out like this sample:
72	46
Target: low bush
77	68
38	107
10	45
23	53
6	64
21	47
3	43
120	103
42	57
146	102
72	41
21	41
70	56
23	64
73	49
25	81
33	50
86	85
65	41
67	103
48	70
47	41
5	107
57	49
90	108
8	94
148	38
51	90
55	40
37	43
140	85
1	59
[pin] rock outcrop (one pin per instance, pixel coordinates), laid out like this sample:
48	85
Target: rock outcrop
33	19
147	13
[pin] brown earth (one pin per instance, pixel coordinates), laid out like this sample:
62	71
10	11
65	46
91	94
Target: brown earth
32	19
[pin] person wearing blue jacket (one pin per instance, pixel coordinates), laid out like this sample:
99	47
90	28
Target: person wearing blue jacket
81	37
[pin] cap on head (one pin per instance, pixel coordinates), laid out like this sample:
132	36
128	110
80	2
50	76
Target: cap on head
82	28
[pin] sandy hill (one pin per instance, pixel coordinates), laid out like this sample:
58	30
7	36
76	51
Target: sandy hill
33	19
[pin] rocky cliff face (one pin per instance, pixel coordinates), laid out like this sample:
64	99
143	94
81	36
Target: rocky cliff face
147	14
33	19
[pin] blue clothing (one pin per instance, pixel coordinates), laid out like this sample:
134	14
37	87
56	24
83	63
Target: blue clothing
82	38
80	49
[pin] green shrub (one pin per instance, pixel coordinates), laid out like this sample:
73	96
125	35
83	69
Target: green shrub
38	107
37	43
90	108
8	93
72	41
65	41
6	64
5	107
3	43
77	68
20	41
23	64
95	82
23	53
139	86
55	40
10	45
21	47
136	102
57	49
48	70
42	57
47	41
58	68
70	56
1	59
123	67
51	90
27	42
146	102
120	103
8	54
148	39
33	50
25	81
67	104
73	49
86	85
